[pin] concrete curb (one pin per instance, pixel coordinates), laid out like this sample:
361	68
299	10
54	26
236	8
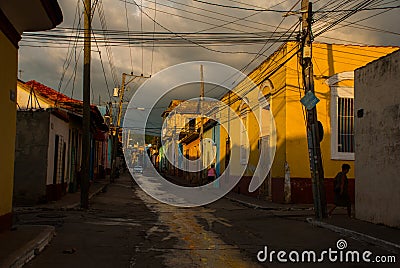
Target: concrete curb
251	205
26	253
65	207
389	246
72	206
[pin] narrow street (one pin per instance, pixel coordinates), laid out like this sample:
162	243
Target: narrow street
275	124
127	228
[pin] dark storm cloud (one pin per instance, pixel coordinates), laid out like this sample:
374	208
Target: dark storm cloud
46	64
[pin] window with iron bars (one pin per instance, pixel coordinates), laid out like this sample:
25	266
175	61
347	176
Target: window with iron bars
342	123
345	125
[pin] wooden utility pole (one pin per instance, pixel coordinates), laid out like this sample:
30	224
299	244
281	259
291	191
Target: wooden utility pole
86	108
118	122
201	101
201	114
117	126
313	128
121	100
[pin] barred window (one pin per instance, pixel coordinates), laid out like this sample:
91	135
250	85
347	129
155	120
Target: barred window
345	125
342	123
342	115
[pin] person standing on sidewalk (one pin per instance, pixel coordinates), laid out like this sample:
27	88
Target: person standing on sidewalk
211	174
341	191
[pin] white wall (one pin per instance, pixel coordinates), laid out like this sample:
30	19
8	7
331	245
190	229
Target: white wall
59	127
377	137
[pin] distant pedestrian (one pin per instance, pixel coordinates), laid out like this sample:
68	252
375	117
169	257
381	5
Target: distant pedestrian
341	190
211	173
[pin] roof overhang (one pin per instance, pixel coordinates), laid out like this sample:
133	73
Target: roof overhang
25	16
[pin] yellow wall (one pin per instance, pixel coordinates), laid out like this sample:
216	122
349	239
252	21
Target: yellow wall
278	106
223	115
208	149
327	60
8	82
288	112
23	96
277	103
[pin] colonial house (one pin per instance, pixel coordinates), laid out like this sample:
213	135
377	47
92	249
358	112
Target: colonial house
37	15
183	120
277	124
49	144
377	139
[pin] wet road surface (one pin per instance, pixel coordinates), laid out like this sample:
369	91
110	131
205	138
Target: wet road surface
125	227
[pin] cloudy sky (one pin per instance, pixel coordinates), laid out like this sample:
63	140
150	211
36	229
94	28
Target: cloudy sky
59	64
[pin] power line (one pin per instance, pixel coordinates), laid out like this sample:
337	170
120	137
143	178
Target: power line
204	16
193	42
154	30
69	55
241	8
260	51
102	67
141	30
230	15
109	53
127	26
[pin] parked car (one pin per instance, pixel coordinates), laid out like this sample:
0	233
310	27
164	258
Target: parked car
137	169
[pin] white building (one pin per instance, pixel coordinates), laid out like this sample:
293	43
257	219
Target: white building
377	138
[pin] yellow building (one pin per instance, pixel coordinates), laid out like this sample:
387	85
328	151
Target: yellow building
34	16
181	131
280	82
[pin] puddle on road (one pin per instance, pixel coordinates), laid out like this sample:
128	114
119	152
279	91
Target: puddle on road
197	247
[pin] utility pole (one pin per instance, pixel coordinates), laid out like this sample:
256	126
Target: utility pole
201	101
118	123
201	114
313	127
86	108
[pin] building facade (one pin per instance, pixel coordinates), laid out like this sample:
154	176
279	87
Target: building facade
37	15
53	121
280	112
377	138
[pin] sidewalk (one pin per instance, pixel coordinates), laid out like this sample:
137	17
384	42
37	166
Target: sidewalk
254	202
21	244
379	235
70	200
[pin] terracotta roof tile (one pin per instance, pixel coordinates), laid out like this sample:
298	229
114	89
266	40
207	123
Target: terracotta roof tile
59	99
63	101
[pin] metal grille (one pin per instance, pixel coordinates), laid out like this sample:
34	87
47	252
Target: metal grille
346	125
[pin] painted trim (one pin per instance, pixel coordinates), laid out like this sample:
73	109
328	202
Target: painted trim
9	30
344	92
336	92
334	79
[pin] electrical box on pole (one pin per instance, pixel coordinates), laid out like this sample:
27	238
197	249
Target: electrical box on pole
310	101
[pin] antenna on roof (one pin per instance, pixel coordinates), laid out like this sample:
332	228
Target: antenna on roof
32	100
